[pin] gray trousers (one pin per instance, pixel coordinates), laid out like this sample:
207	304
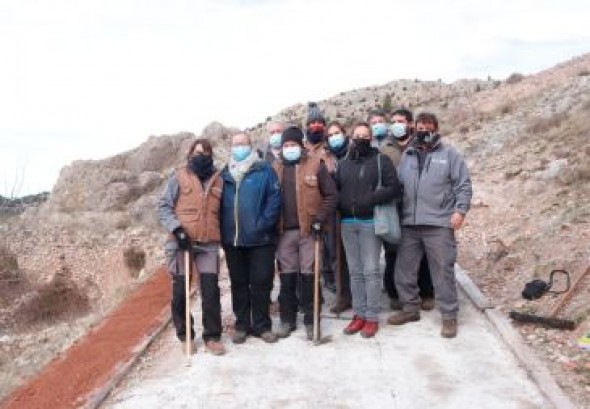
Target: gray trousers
295	253
440	247
362	254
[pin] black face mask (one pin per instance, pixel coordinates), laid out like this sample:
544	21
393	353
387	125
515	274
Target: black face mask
202	166
426	137
315	137
362	146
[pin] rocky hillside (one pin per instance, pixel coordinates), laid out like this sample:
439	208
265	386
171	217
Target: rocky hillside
526	139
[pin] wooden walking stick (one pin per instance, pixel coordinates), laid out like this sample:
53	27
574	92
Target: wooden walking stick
338	261
187	311
317	340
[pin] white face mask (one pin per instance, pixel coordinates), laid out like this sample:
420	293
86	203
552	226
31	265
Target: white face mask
275	140
399	130
292	153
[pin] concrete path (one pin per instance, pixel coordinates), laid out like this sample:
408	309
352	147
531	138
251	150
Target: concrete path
402	367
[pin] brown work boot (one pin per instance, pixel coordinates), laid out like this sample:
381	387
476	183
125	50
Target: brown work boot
215	347
344	303
449	328
403	317
427	304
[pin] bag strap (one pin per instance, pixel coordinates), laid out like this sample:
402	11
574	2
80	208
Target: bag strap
379	183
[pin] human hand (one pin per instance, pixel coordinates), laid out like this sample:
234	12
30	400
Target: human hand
184	243
457	220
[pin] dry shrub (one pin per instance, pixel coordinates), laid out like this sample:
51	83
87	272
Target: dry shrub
134	260
58	300
506	107
13	283
542	125
583	72
514	78
578	174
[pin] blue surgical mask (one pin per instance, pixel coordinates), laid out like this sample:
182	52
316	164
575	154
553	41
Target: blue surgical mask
336	141
379	130
240	152
399	130
292	153
275	140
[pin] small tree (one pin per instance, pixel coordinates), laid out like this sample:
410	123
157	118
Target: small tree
387	105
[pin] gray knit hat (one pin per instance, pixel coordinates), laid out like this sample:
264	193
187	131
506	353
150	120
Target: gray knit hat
314	114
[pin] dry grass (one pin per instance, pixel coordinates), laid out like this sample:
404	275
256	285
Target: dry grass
543	125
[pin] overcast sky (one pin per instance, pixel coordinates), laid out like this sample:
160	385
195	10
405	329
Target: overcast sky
89	79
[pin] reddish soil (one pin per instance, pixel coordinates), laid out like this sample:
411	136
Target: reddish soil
91	362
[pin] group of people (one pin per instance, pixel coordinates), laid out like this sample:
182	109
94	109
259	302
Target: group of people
270	209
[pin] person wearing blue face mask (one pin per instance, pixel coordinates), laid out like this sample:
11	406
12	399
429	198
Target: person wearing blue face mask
273	151
379	127
309	199
249	212
338	149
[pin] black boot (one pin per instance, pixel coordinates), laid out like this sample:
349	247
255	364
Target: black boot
211	306
329	281
287	304
307	298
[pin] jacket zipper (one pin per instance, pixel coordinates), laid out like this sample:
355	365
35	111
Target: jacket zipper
236	214
416	186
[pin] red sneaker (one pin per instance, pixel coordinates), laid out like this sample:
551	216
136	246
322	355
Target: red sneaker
369	329
355	325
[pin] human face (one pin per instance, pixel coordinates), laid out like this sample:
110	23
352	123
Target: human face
290	144
399	119
275	128
198	150
240	139
426	126
377	119
361	132
334	130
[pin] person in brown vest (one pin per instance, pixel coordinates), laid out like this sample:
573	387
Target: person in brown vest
189	210
315	145
308	200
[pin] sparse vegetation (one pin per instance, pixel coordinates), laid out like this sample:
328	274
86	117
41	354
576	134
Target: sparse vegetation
542	125
514	78
134	260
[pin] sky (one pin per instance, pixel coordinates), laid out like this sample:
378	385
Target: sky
90	79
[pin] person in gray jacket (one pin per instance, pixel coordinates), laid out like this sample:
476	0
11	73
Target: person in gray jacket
436	197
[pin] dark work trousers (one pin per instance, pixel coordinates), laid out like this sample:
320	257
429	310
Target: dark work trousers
251	273
332	240
207	264
425	285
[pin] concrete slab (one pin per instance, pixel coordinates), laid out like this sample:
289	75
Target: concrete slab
402	367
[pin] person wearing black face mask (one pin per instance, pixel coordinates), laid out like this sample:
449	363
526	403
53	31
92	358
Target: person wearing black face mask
316	147
357	179
436	197
188	210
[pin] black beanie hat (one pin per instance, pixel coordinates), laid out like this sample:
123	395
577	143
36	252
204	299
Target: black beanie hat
293	134
314	114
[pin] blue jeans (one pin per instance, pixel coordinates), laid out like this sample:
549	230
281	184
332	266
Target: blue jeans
362	254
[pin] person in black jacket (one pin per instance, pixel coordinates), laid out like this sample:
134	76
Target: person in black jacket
357	177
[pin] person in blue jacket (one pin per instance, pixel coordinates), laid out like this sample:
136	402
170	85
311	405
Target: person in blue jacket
250	210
